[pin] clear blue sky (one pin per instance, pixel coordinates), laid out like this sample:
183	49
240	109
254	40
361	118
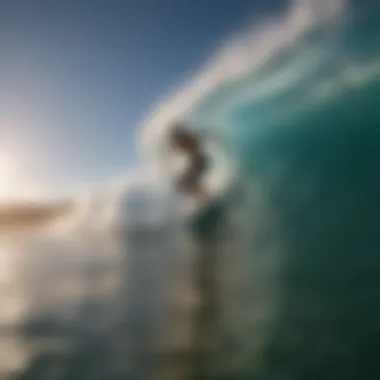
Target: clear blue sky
78	76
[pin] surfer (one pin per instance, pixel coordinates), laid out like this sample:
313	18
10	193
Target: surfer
188	143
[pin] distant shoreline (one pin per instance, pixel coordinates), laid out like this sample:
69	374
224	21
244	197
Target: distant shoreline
29	214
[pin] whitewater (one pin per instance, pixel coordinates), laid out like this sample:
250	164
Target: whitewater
276	280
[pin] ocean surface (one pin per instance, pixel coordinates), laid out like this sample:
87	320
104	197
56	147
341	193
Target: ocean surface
278	279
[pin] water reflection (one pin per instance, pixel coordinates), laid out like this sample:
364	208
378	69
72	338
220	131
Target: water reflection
55	292
85	305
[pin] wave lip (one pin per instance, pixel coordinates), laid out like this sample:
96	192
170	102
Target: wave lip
246	52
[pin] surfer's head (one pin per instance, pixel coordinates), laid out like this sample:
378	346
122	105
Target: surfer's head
182	139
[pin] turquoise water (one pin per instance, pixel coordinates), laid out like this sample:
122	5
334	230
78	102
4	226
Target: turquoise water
304	302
